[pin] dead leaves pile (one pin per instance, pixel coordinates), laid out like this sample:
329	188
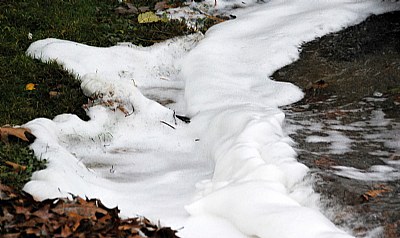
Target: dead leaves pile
22	216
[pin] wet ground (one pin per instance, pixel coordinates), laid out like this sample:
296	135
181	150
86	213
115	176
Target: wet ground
347	127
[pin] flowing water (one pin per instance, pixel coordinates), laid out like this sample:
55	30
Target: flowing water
347	128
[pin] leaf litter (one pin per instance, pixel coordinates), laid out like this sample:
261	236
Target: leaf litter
22	216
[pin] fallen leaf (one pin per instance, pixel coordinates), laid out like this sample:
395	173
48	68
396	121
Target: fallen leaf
148	17
126	11
65	231
125	227
123	110
374	193
144	9
82	208
76	219
15	166
161	6
105	218
334	114
22	210
324	162
24	134
33	231
43	213
30	86
12	235
54	94
218	19
69	218
6	193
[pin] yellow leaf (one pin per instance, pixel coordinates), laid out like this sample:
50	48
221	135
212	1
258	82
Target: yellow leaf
148	17
30	86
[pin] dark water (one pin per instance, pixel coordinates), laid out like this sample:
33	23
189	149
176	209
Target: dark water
351	117
359	136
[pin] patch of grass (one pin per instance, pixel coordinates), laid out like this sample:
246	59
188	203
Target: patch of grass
91	22
19	154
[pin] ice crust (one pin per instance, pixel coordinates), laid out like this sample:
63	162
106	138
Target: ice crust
230	172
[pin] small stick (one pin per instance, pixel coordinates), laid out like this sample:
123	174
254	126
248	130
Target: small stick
174	116
167	124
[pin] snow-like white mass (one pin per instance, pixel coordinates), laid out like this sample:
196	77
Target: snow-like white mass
374	173
231	171
339	143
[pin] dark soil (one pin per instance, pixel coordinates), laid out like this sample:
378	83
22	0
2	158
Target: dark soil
352	83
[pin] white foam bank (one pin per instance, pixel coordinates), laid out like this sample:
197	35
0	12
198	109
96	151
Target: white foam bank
231	172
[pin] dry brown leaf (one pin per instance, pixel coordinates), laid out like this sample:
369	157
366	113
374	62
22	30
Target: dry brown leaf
6	217
64	218
30	222
24	134
87	210
126	11
125	227
123	110
21	210
76	219
43	213
216	18
160	6
65	231
105	218
13	235
6	193
143	9
374	193
333	114
15	166
33	231
54	94
324	162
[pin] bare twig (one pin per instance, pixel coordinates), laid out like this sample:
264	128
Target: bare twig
163	122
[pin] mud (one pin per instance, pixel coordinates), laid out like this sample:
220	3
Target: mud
350	117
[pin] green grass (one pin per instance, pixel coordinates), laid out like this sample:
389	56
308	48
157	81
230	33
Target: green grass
19	154
91	22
